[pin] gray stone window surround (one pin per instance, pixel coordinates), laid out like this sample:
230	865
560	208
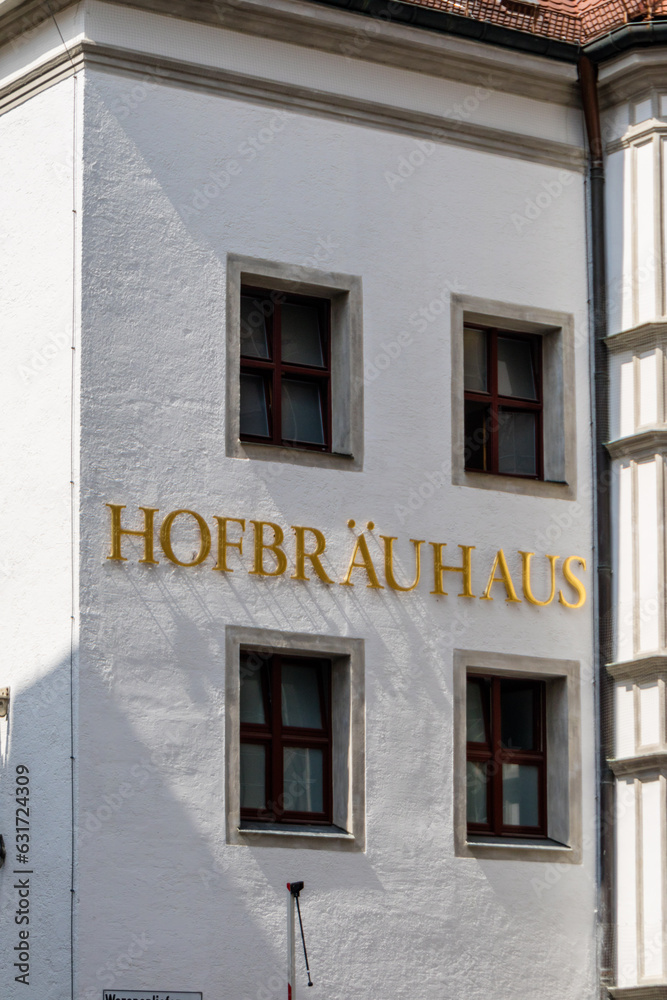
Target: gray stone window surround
349	741
559	417
564	821
347	365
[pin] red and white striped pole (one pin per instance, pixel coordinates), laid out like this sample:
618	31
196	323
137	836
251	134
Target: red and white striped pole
291	959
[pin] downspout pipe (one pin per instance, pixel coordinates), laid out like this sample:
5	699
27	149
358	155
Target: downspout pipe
604	636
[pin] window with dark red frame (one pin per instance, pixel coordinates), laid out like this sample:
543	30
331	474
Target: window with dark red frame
286	739
506	757
503	402
285	369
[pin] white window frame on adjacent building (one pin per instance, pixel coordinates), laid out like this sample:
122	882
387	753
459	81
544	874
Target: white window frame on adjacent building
343	293
563	753
348	713
558	444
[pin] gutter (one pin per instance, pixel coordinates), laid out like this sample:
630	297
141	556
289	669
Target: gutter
602	471
621	39
396	12
629	36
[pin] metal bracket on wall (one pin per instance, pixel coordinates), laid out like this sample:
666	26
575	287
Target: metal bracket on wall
4	702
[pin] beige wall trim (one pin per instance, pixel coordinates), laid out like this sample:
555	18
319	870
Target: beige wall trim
637	134
349	740
17	17
302	99
643	445
564	787
644	337
632	75
358	37
652	991
41	77
642	668
640	764
344	292
560	441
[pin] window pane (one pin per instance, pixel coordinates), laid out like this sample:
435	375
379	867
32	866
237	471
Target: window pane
477	700
303	779
516	443
254	416
300	695
302	412
476	784
474	360
253	776
254	339
476	436
252	701
520	790
517	716
300	335
516	374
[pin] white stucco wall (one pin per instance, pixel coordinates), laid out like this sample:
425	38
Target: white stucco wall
164	902
38	635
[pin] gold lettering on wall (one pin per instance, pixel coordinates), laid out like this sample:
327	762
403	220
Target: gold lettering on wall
527	588
204	538
361	548
389	563
505	578
314	556
574	582
465	569
224	543
261	547
146	533
310	545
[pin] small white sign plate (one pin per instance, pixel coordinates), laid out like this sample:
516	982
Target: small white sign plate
149	995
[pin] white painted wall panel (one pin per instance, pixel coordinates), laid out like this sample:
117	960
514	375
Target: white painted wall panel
339	73
37	550
620	247
648	392
645	223
663	179
627	394
652	878
624	719
643	110
626	883
648	556
625	575
649	713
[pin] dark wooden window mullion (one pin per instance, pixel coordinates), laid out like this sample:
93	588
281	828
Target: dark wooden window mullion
325	709
496	766
276	737
542	710
328	420
539	434
277	428
277	731
494	415
495	402
274	370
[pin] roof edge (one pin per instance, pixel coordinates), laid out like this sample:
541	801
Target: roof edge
399	12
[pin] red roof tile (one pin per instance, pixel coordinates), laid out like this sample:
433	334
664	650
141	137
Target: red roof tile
575	21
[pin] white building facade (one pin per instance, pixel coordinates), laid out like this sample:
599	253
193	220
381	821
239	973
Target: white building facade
300	551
